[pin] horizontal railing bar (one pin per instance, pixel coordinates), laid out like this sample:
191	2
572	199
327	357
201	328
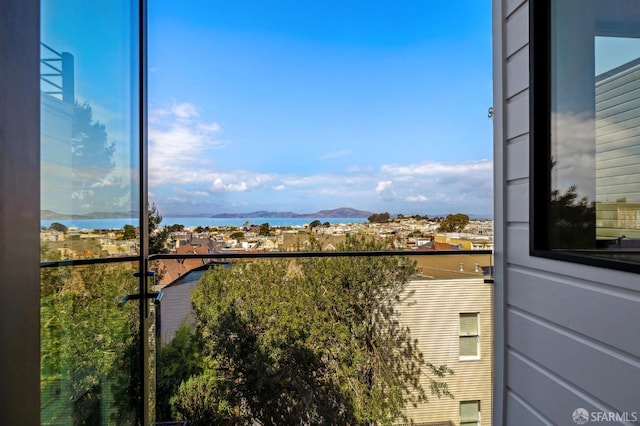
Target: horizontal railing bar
280	254
258	255
46	46
58	70
57	86
84	262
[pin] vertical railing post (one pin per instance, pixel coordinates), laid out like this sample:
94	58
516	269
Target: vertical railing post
68	78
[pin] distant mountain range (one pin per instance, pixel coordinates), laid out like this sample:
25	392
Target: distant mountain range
340	212
51	215
345	212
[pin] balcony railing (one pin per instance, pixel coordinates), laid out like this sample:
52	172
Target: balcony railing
57	74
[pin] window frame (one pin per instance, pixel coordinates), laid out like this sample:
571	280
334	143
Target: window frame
540	84
477	337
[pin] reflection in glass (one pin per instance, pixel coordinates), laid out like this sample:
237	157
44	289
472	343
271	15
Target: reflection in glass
595	126
618	153
89	116
90	145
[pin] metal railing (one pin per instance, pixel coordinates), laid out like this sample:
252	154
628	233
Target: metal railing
57	74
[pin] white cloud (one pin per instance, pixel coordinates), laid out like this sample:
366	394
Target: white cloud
383	186
385	190
240	181
178	144
192	193
432	168
416	199
184	110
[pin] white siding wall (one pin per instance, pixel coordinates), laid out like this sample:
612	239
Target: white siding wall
433	315
567	335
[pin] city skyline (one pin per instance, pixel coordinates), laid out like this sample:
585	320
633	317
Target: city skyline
300	106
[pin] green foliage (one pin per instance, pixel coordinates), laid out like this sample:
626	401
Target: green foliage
176	227
454	223
129	232
307	341
57	226
157	237
89	346
265	229
379	217
200	229
238	235
176	363
202	401
315	224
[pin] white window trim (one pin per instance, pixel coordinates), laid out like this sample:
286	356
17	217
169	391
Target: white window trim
470	357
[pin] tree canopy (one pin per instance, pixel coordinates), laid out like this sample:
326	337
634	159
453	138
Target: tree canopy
379	217
129	232
265	229
454	223
315	224
306	341
89	345
157	236
57	226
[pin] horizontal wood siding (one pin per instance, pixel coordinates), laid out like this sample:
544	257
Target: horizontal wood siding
433	315
568	334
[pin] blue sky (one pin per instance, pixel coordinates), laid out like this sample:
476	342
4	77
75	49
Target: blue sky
309	105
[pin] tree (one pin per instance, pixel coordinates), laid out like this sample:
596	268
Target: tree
203	400
129	232
176	362
57	226
315	224
89	353
238	235
454	223
378	217
157	236
93	161
572	221
176	228
265	229
311	341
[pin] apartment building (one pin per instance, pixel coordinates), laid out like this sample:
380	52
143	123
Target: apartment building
452	319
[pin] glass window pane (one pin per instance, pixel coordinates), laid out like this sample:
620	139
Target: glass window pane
594	162
469	411
468	324
89	128
469	346
89	345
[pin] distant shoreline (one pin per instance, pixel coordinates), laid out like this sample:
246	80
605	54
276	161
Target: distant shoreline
111	223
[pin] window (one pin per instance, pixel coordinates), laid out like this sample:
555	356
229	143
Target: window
469	413
469	336
585	131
